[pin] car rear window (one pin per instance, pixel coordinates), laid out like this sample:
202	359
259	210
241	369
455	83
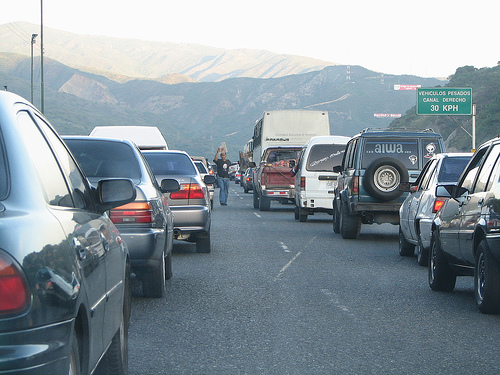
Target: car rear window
324	157
170	164
105	159
452	168
201	167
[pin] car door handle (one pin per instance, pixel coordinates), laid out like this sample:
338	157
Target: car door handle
79	249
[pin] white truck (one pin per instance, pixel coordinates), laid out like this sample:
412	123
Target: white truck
145	137
277	141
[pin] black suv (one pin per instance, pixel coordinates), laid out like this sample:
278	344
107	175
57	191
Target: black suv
375	162
465	239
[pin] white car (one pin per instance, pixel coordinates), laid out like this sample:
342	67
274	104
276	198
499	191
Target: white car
420	207
202	169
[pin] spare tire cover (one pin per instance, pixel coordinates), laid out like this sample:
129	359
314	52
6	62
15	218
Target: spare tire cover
382	178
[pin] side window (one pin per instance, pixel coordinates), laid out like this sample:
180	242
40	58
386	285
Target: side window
45	163
485	172
429	173
81	195
471	172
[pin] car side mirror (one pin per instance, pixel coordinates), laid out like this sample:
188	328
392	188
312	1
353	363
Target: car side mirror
114	193
337	169
291	163
169	185
404	186
209	179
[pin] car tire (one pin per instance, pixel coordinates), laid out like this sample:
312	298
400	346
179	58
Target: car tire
203	244
350	225
168	267
296	212
74	359
264	203
336	219
441	277
422	254
255	199
245	189
115	360
486	280
154	281
406	249
302	216
382	178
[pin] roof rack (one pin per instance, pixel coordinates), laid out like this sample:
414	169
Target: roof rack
366	130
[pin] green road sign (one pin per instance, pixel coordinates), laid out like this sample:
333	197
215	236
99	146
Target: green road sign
444	101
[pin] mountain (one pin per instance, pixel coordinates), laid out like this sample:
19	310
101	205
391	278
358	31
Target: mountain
197	116
120	59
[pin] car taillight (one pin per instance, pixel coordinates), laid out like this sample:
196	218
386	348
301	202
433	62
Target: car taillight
438	203
355	184
249	179
14	292
302	182
189	191
135	212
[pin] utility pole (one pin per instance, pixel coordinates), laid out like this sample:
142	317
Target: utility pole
33	36
42	106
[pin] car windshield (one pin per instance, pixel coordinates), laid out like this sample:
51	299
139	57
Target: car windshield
452	168
104	158
325	157
170	164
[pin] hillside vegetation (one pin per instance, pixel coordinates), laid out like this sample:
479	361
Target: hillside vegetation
457	130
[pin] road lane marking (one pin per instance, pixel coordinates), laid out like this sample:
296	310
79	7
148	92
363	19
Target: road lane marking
286	266
334	299
256	214
284	247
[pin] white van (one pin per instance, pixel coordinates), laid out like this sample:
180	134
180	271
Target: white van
145	137
315	180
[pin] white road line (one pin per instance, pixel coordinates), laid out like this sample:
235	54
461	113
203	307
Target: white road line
284	247
286	266
256	214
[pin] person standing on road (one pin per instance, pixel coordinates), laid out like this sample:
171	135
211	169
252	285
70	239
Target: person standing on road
223	165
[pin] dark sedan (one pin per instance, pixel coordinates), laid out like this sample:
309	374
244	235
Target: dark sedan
64	268
147	223
466	231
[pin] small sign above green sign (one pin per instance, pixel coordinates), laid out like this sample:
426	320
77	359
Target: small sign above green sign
444	101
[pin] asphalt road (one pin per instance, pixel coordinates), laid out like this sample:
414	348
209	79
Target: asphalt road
276	296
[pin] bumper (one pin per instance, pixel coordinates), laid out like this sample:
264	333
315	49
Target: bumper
277	194
191	219
43	350
144	245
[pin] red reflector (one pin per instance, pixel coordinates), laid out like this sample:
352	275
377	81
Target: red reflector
189	191
303	182
355	184
438	203
14	294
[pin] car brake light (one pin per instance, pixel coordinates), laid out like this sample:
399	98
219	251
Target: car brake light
302	182
189	191
135	212
355	184
438	203
14	292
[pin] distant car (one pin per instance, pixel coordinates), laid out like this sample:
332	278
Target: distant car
247	180
419	208
205	172
145	224
465	234
64	267
191	204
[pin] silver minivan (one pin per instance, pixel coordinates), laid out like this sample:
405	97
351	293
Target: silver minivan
315	180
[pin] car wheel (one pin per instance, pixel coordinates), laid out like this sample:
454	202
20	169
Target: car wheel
255	199
336	219
264	203
203	244
441	276
296	212
382	178
350	225
168	266
406	249
115	360
154	281
486	280
74	359
245	189
422	254
302	216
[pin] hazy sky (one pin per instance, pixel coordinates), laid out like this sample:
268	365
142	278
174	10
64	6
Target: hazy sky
429	38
